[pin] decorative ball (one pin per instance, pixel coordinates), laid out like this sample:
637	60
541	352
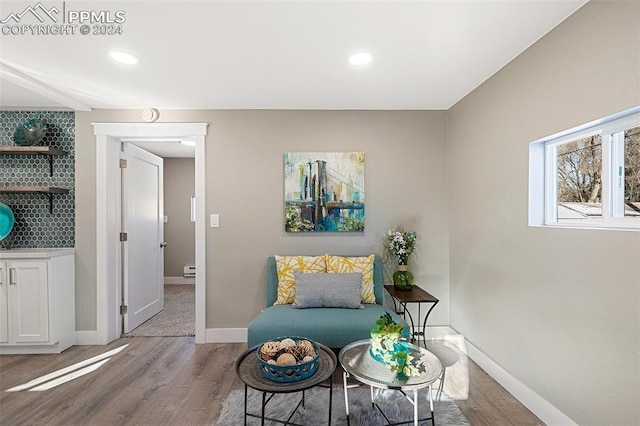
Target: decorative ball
272	361
287	343
269	350
307	358
286	359
296	352
306	348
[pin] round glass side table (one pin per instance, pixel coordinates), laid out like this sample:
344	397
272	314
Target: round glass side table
358	363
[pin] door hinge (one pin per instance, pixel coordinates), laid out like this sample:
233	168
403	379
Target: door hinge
123	309
123	236
123	163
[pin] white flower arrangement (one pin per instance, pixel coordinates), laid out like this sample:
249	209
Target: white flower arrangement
400	244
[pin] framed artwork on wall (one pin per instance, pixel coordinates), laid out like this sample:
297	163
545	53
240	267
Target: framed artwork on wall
324	191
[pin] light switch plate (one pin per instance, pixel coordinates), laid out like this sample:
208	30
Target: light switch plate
165	219
214	220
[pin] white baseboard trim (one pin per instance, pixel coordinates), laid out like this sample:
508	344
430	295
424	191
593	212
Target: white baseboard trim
89	337
179	280
438	332
538	405
226	335
239	335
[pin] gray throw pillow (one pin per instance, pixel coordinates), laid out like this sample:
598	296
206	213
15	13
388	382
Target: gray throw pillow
328	290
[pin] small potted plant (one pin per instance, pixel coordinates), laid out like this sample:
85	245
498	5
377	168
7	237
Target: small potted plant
389	347
400	244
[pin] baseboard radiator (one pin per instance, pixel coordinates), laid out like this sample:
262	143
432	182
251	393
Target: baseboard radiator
189	271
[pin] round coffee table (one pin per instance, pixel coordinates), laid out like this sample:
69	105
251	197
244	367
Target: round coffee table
358	362
247	370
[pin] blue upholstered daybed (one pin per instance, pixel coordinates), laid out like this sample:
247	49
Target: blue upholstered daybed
334	327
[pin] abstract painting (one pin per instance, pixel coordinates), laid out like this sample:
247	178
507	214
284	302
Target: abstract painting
324	191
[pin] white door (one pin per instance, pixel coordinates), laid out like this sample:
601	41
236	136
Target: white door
143	259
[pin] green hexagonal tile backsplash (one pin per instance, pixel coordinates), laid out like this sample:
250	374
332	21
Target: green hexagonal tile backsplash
34	226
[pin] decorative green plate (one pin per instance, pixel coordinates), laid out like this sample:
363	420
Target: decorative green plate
31	132
6	221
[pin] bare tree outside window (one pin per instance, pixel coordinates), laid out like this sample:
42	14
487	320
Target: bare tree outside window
632	171
579	168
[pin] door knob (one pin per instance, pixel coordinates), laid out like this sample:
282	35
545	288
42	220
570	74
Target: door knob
163	244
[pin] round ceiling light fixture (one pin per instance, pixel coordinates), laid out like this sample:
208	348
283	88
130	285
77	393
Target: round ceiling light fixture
123	57
360	59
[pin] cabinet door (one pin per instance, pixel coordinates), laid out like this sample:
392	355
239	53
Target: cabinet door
28	301
4	304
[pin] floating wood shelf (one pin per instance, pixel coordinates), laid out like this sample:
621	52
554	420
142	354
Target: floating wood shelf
48	191
47	151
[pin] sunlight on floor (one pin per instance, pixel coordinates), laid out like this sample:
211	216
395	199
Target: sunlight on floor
67	374
452	352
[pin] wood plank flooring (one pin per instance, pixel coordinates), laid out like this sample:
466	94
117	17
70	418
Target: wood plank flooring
173	381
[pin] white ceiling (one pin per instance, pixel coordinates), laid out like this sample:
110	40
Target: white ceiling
272	54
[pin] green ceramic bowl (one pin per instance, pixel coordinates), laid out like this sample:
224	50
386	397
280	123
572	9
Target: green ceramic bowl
31	132
7	220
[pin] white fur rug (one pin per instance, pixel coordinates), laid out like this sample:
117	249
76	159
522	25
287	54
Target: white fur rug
361	413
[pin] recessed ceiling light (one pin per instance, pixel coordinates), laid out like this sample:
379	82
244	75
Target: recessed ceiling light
360	59
188	143
123	57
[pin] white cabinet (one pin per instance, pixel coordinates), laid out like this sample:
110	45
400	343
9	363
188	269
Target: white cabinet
37	301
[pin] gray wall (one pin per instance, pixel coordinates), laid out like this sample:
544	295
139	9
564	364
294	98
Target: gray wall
558	309
405	177
179	231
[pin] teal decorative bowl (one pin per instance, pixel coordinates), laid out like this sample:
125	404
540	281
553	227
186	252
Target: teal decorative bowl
31	132
7	219
288	373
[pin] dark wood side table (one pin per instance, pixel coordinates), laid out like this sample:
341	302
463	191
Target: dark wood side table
415	295
247	370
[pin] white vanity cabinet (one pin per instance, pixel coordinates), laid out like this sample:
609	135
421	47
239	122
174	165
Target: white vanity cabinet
37	300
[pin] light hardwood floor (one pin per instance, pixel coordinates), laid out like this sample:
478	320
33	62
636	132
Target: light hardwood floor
173	381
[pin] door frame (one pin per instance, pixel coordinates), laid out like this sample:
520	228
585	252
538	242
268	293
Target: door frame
108	217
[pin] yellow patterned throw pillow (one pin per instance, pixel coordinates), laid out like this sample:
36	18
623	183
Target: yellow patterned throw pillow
340	265
286	266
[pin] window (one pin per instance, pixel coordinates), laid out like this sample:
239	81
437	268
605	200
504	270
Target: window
589	176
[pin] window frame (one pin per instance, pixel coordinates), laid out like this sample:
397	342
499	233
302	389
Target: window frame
543	174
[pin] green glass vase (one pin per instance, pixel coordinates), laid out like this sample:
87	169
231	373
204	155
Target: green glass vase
403	278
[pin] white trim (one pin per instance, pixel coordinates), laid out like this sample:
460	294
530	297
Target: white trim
226	335
539	406
88	337
201	234
438	332
108	137
179	280
239	335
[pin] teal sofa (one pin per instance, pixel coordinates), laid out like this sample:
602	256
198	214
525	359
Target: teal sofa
334	327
